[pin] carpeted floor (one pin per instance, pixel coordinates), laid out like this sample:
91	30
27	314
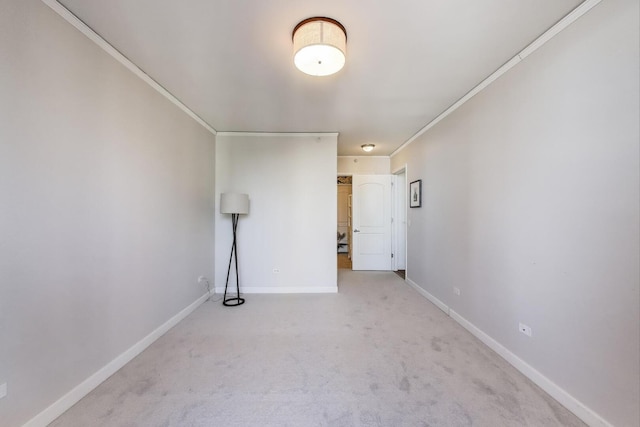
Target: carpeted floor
375	354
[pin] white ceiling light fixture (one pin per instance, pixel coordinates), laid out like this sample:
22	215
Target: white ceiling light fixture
367	147
319	46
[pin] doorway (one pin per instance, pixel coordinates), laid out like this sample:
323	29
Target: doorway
344	222
399	230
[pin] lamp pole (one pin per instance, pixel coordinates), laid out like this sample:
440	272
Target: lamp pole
234	204
231	302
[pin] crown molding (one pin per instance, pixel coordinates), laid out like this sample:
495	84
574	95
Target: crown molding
292	134
568	19
68	16
365	156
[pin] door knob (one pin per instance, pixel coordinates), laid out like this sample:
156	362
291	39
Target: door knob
356	231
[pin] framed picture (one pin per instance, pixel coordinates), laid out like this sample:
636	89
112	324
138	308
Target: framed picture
415	194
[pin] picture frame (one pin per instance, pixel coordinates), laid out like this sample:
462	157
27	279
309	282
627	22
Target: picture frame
415	194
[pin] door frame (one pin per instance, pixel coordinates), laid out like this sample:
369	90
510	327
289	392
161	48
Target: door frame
400	214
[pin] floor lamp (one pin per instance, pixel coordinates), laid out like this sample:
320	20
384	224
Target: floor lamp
235	204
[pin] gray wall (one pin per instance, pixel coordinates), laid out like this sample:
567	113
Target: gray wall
291	226
106	219
531	199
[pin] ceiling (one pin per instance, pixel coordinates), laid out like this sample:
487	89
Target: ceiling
231	61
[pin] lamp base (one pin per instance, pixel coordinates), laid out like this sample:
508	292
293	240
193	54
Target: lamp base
232	302
235	301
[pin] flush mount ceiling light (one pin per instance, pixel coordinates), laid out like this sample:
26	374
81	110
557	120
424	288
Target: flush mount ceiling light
367	147
319	46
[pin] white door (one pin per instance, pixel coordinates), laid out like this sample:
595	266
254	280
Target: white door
371	229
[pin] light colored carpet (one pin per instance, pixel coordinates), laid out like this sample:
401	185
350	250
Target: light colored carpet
375	354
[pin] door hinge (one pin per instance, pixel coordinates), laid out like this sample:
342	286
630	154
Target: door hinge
391	255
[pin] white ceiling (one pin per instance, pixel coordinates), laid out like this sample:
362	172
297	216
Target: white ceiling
230	61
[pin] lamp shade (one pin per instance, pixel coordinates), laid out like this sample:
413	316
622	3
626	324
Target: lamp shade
319	46
234	203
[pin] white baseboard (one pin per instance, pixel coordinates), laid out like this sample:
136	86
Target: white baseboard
283	290
442	306
555	391
81	390
568	401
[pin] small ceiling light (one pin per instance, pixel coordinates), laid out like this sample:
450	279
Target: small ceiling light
368	147
319	46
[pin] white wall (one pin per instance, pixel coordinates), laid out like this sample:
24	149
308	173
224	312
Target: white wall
531	199
364	165
291	182
106	191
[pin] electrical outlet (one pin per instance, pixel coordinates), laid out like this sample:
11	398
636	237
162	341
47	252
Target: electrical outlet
524	329
276	270
3	390
201	279
456	291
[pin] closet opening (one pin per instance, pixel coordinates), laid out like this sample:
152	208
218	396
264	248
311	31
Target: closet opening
344	222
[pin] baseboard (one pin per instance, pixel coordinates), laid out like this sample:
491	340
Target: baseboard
442	306
71	398
555	391
284	290
564	398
